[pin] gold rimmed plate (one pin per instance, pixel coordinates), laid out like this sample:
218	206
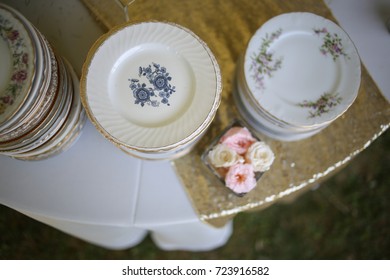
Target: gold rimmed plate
151	87
302	70
17	66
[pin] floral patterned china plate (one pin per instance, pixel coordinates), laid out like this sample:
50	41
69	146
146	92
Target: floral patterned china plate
17	66
302	70
151	87
37	93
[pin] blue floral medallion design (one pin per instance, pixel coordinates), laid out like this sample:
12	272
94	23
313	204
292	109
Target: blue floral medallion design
159	89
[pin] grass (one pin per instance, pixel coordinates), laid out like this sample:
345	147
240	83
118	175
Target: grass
347	217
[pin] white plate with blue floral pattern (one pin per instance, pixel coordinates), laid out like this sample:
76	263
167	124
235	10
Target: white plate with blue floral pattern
302	70
17	65
151	87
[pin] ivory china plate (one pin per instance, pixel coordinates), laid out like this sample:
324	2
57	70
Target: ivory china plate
302	69
17	67
40	97
264	125
74	119
40	84
49	125
40	111
151	86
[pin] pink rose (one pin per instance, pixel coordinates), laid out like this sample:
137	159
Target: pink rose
238	139
25	58
19	76
240	178
7	99
13	35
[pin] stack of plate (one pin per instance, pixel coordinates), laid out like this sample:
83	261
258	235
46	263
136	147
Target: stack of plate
40	110
300	72
151	88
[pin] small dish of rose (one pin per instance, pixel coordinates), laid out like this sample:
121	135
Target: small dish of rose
239	159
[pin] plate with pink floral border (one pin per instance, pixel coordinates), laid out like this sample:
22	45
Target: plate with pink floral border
302	70
17	64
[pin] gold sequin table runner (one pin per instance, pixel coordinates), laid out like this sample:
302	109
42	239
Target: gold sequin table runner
226	26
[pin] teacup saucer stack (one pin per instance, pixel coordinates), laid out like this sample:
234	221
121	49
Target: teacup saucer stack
40	110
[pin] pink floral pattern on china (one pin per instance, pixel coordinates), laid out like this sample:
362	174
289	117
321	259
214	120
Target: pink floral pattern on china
20	63
264	63
239	159
332	43
322	105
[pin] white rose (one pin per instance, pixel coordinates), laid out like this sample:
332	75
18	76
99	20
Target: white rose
223	156
260	156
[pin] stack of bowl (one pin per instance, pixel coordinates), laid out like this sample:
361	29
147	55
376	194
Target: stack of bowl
40	110
151	88
299	73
